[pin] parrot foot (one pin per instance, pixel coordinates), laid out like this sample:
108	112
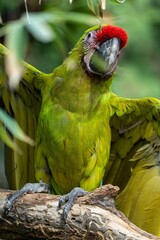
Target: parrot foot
27	188
69	199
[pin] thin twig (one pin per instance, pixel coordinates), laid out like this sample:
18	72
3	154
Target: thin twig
27	13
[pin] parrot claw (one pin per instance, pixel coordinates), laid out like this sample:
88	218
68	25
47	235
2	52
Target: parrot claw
69	199
27	188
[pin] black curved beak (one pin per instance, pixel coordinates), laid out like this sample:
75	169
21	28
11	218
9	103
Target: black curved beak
104	59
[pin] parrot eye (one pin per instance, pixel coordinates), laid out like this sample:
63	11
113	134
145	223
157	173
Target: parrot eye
89	38
89	35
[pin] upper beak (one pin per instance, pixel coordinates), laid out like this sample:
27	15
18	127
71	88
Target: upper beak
104	59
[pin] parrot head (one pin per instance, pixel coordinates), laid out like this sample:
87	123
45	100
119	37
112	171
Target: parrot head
102	47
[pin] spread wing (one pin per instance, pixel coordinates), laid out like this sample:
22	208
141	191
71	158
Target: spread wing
133	123
135	159
23	104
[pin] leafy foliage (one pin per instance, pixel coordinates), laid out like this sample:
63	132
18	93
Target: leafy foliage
95	7
13	127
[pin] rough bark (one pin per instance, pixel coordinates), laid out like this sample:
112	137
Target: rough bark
36	216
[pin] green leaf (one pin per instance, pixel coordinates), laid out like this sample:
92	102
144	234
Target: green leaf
16	38
95	7
120	1
14	128
16	41
7	139
39	28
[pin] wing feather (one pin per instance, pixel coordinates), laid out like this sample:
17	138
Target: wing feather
133	123
23	104
134	163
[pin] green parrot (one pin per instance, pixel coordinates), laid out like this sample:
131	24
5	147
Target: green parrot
85	135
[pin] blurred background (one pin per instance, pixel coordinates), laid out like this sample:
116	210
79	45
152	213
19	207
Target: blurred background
47	30
44	31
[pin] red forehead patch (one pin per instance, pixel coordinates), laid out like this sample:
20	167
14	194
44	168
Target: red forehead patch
111	31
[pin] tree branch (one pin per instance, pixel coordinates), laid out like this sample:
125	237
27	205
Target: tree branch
36	216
